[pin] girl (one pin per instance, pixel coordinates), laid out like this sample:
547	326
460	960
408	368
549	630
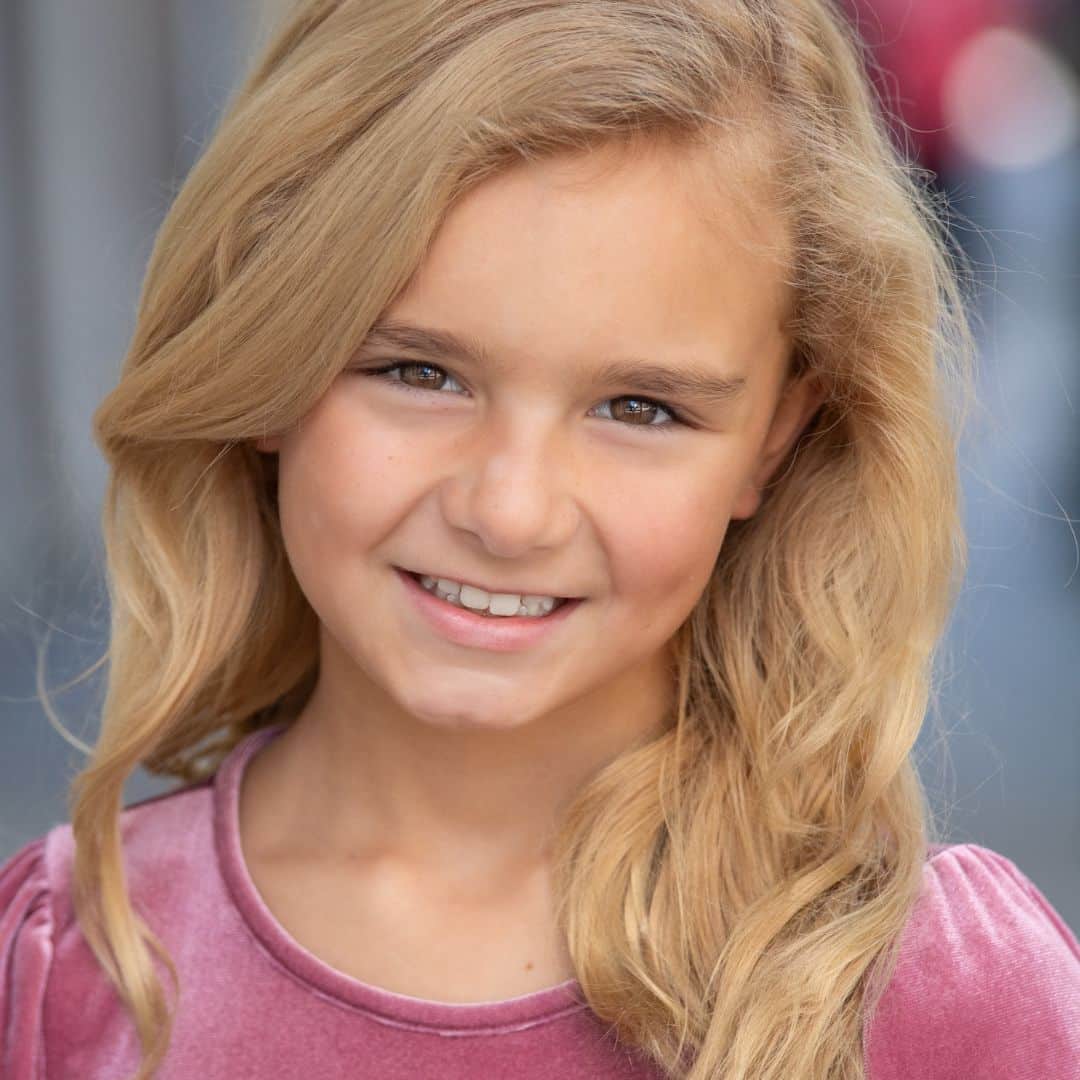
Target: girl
532	515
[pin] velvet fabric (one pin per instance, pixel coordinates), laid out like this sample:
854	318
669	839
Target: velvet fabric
987	983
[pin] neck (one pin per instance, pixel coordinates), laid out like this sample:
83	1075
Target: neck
356	777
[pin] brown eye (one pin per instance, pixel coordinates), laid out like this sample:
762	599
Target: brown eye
429	377
422	376
639	407
632	411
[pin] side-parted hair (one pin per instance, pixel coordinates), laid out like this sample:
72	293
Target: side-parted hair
731	892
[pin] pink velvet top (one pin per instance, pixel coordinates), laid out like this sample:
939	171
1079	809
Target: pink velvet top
987	985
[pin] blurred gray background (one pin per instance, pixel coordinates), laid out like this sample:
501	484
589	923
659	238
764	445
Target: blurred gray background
105	105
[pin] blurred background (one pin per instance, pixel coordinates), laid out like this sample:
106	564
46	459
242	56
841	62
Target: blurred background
105	105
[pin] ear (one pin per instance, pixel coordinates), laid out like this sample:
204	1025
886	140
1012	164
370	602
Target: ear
269	445
798	402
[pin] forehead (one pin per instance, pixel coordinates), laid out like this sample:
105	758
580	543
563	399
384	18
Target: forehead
650	249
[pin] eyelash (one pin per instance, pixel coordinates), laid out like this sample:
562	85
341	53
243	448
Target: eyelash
677	419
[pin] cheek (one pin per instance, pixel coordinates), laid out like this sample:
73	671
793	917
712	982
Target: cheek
664	535
341	487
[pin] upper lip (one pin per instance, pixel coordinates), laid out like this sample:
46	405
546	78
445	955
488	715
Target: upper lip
488	588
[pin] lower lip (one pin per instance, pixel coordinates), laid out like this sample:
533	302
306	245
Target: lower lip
498	633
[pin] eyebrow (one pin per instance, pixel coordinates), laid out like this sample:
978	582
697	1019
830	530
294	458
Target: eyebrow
645	375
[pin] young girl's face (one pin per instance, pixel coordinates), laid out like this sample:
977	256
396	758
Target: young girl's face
533	469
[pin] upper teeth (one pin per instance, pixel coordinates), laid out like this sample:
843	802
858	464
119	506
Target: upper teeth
481	600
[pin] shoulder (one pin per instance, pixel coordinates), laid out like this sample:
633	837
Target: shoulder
986	982
28	902
158	834
44	960
27	934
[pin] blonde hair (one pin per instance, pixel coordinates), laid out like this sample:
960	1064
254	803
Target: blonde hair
732	892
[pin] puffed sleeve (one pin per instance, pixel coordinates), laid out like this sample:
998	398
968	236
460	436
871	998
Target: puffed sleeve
26	925
987	981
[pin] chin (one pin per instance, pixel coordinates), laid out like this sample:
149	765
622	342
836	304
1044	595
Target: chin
466	710
470	720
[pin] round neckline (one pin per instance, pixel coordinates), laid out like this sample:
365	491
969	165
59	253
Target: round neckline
484	1017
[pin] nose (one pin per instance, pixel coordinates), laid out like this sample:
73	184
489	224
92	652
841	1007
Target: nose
513	486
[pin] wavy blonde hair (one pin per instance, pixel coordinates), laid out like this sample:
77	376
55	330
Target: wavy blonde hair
732	892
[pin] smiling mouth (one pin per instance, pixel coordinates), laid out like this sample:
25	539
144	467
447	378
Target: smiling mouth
419	577
509	608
